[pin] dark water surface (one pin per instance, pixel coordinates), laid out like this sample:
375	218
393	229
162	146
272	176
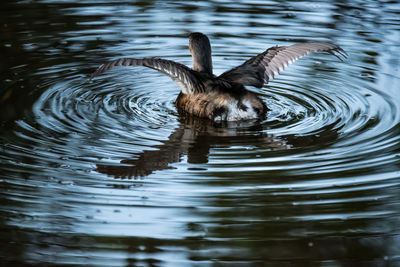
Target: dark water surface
107	173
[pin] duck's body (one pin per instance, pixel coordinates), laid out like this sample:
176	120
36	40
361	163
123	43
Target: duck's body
222	106
224	97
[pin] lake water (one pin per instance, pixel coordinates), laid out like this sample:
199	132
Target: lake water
107	173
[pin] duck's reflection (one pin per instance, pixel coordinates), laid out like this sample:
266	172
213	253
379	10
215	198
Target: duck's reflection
194	137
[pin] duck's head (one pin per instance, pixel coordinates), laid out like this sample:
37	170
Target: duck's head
200	49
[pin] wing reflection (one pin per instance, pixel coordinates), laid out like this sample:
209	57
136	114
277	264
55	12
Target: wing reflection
194	137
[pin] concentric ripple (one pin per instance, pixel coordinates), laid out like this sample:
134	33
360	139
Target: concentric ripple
321	124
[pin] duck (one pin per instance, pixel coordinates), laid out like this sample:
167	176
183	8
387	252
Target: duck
224	97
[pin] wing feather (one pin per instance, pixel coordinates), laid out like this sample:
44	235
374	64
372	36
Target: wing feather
265	66
184	76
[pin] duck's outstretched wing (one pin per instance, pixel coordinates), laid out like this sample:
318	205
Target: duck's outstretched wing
263	67
184	76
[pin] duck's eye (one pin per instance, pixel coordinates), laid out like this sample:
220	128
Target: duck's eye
242	107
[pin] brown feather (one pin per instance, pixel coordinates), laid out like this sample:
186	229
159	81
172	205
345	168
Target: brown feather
265	66
186	78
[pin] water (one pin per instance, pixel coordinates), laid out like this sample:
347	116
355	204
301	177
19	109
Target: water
107	173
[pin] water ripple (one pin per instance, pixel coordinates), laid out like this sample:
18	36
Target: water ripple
109	166
321	126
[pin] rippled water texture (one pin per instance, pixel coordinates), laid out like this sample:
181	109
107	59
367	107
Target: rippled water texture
107	173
